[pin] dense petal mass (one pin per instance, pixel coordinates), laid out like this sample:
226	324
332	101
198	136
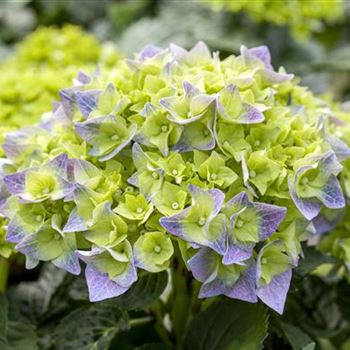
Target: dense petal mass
227	161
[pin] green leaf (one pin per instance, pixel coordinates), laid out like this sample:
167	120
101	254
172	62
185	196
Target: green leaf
342	299
143	293
297	338
3	318
15	335
29	300
90	328
228	325
312	259
21	336
154	346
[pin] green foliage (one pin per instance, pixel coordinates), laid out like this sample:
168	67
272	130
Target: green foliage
228	325
298	339
54	313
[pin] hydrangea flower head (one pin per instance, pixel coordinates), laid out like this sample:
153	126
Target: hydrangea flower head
176	148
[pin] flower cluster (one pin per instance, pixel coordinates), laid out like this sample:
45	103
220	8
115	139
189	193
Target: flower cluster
30	83
230	160
301	17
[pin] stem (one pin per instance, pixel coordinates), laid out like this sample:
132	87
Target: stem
156	311
181	301
141	321
4	271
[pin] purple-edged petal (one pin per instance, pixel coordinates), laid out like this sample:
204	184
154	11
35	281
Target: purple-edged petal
274	294
104	145
175	224
29	247
75	223
59	166
15	183
244	289
231	109
180	224
69	262
100	286
216	195
149	51
262	53
332	194
237	252
251	115
270	217
196	136
83	78
112	154
309	207
15	231
87	101
201	265
68	99
322	223
340	148
190	90
239	200
273	77
205	267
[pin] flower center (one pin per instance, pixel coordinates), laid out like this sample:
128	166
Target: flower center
205	132
174	172
46	190
213	176
139	210
157	249
257	143
175	205
38	218
155	175
305	180
202	221
164	128
239	223
115	138
132	227
252	173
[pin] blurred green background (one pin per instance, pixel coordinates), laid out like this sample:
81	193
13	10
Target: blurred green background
310	38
